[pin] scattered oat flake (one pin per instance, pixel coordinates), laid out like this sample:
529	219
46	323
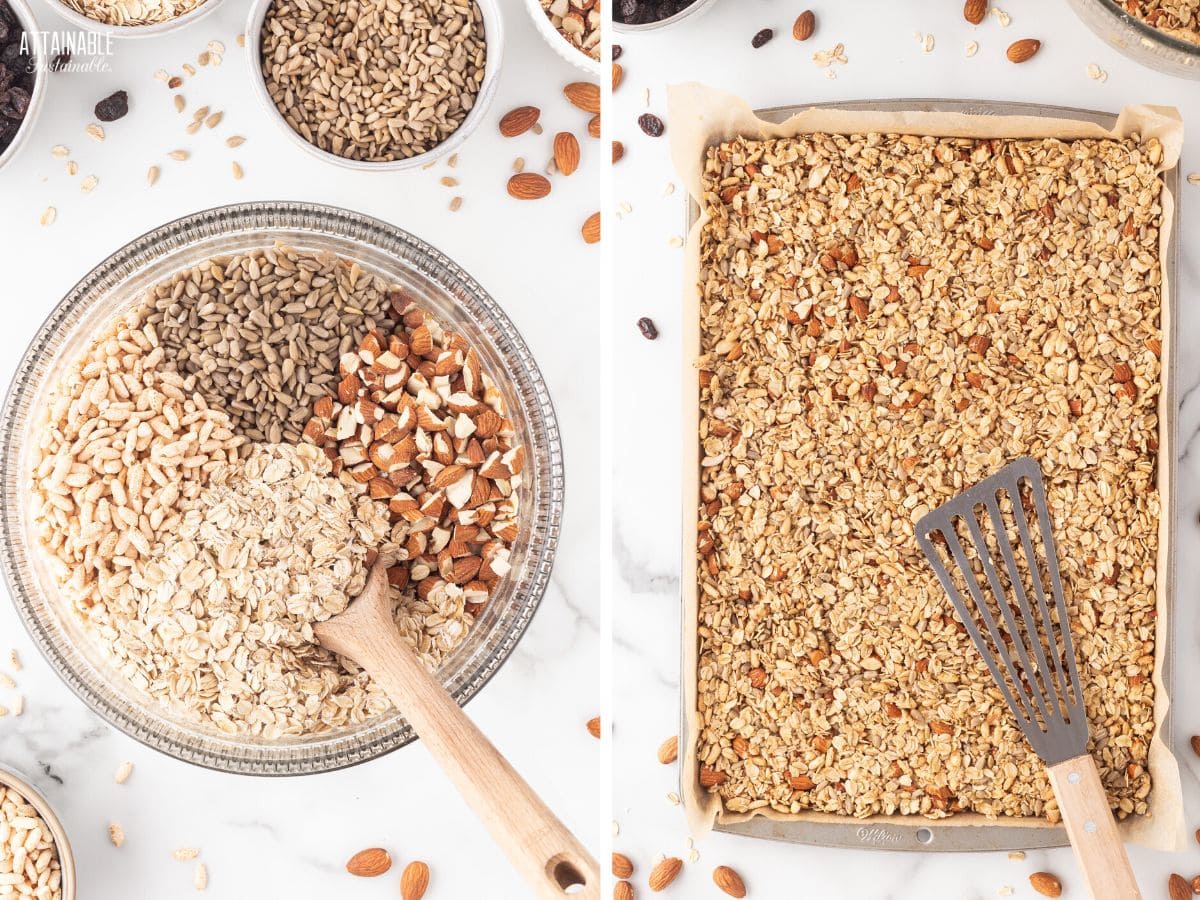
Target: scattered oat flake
152	175
123	772
675	241
88	184
6	681
825	58
616	828
241	40
456	204
48	216
972	48
927	44
625	207
1004	18
185	854
3	711
215	46
518	165
14	660
116	834
830	74
673	798
95	131
235	141
669	189
1016	855
237	171
200	879
1194	178
646	97
179	155
693	855
1005	890
72	168
1096	73
162	75
59	152
18	705
189	68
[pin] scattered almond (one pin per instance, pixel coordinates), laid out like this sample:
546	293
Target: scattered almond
668	750
622	890
584	95
1195	742
804	26
518	121
1046	884
975	10
566	152
591	229
593	726
618	151
594	126
528	186
622	865
1178	888
369	863
618	75
1023	50
729	881
666	872
414	881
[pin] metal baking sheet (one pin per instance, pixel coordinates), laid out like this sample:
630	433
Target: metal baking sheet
932	835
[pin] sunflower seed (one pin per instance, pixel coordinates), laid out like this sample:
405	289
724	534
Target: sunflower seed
235	141
214	120
152	175
123	772
237	171
178	155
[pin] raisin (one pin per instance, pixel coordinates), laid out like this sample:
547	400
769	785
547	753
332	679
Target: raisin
761	38
643	12
647	328
617	51
60	62
651	124
113	107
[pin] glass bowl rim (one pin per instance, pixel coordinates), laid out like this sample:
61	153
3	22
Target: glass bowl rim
317	219
1148	31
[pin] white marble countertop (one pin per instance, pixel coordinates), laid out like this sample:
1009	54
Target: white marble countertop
885	60
289	838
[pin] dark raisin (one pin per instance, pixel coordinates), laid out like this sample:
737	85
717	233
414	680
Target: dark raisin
761	38
643	12
647	328
617	51
651	124
113	107
60	62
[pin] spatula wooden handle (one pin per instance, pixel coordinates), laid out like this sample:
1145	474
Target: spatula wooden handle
1092	830
538	845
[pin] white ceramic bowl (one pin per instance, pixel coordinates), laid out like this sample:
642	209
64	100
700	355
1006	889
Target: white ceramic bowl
558	43
25	16
66	858
494	37
79	20
695	9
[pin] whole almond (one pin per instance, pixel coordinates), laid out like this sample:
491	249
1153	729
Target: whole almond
1046	884
1023	50
594	126
593	726
729	881
1195	742
618	75
415	881
622	890
618	151
584	95
591	235
566	152
529	186
805	25
975	10
1178	888
668	750
664	873
622	865
369	863
519	120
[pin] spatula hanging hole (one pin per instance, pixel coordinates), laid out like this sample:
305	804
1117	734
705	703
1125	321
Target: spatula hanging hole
566	875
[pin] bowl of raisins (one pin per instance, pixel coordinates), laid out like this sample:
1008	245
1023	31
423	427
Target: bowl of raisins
649	15
21	84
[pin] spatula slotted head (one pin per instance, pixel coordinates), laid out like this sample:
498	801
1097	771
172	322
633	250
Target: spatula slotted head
993	552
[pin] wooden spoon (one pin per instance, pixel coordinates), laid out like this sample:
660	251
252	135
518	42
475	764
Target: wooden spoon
538	845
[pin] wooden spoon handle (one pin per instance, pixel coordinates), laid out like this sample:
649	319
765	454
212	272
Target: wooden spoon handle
538	845
1092	830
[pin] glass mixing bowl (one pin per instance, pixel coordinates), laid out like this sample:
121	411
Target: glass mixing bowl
444	290
1139	41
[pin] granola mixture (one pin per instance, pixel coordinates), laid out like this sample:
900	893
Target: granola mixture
886	320
1178	18
199	554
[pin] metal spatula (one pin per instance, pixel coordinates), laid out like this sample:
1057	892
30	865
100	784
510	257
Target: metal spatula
993	552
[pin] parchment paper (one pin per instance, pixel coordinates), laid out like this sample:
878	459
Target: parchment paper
699	117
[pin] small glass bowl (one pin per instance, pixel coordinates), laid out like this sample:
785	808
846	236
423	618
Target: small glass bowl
700	6
493	30
25	16
1141	42
441	288
10	778
79	20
